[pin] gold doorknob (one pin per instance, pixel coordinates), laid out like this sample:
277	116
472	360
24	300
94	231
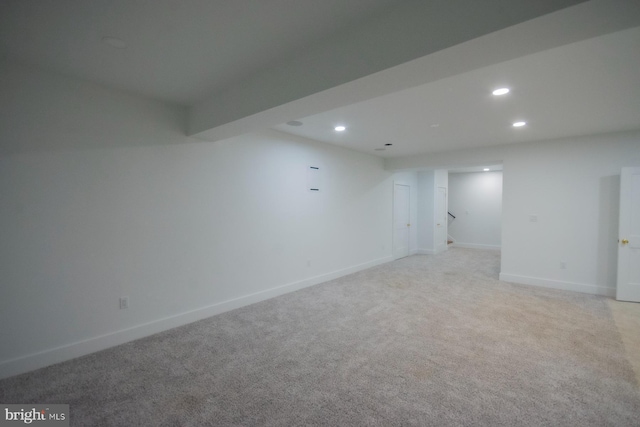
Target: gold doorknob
408	225
624	241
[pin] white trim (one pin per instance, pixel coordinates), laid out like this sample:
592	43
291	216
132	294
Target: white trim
425	252
475	246
440	247
66	352
441	250
393	220
558	284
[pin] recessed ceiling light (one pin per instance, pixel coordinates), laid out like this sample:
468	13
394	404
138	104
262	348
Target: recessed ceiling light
435	125
519	124
114	42
340	128
486	169
379	149
294	123
501	91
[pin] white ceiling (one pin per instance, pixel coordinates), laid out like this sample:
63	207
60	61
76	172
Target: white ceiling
587	87
481	168
244	65
177	50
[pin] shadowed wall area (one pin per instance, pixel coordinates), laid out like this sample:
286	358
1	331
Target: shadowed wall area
425	340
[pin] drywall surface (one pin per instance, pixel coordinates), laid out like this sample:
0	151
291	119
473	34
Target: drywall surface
371	46
43	111
475	199
561	205
570	189
104	197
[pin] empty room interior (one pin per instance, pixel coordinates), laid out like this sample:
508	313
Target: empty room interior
337	212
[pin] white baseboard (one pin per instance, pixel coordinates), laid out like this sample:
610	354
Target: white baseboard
558	284
70	351
431	251
425	252
441	248
475	246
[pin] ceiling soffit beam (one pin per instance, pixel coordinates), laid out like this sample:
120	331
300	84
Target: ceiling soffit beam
431	41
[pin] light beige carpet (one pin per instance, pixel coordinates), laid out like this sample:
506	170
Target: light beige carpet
426	341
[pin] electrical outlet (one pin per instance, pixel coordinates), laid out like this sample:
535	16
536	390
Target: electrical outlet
563	265
124	303
308	263
533	218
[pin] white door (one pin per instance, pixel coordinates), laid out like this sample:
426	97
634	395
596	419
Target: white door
401	223
441	220
628	288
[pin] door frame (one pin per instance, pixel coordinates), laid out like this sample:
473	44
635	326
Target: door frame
393	219
625	290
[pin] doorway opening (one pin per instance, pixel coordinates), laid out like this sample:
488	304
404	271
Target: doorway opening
475	207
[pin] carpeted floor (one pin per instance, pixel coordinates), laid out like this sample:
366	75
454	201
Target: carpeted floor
426	340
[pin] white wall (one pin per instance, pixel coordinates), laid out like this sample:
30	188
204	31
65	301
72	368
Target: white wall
102	197
476	201
572	185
